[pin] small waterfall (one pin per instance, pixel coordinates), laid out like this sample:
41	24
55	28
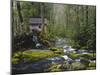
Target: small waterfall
36	41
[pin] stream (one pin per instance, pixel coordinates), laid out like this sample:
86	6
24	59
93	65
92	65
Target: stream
43	65
35	67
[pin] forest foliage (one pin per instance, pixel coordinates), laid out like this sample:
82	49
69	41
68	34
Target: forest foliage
76	23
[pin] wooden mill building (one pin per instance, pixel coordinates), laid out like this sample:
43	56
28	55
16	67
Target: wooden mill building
37	24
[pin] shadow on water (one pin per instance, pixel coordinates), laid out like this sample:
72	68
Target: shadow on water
36	67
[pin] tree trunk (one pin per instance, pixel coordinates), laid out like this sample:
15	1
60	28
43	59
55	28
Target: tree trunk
43	33
87	15
20	26
42	13
20	16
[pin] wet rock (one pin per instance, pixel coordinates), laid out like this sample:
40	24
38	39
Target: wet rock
56	59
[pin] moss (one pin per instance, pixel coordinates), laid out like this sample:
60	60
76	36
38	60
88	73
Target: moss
17	54
75	56
15	60
17	57
59	52
66	66
37	56
78	66
32	56
55	67
54	49
88	56
85	61
92	64
91	68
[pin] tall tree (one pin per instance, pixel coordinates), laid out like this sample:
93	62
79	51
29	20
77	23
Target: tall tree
20	16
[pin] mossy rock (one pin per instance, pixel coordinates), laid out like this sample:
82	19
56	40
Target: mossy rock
65	66
85	61
33	56
91	68
15	60
58	52
54	49
92	64
78	66
17	54
55	67
74	56
86	56
46	43
17	57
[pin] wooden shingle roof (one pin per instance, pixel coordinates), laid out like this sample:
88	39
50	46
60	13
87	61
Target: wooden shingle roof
35	21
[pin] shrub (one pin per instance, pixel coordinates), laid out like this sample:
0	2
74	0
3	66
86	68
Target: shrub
22	41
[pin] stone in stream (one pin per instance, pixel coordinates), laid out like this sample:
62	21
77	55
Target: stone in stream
56	59
77	60
65	57
32	67
69	60
38	45
83	61
93	59
68	49
65	49
82	52
78	52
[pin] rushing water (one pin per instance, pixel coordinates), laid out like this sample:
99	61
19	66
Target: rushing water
60	42
36	41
